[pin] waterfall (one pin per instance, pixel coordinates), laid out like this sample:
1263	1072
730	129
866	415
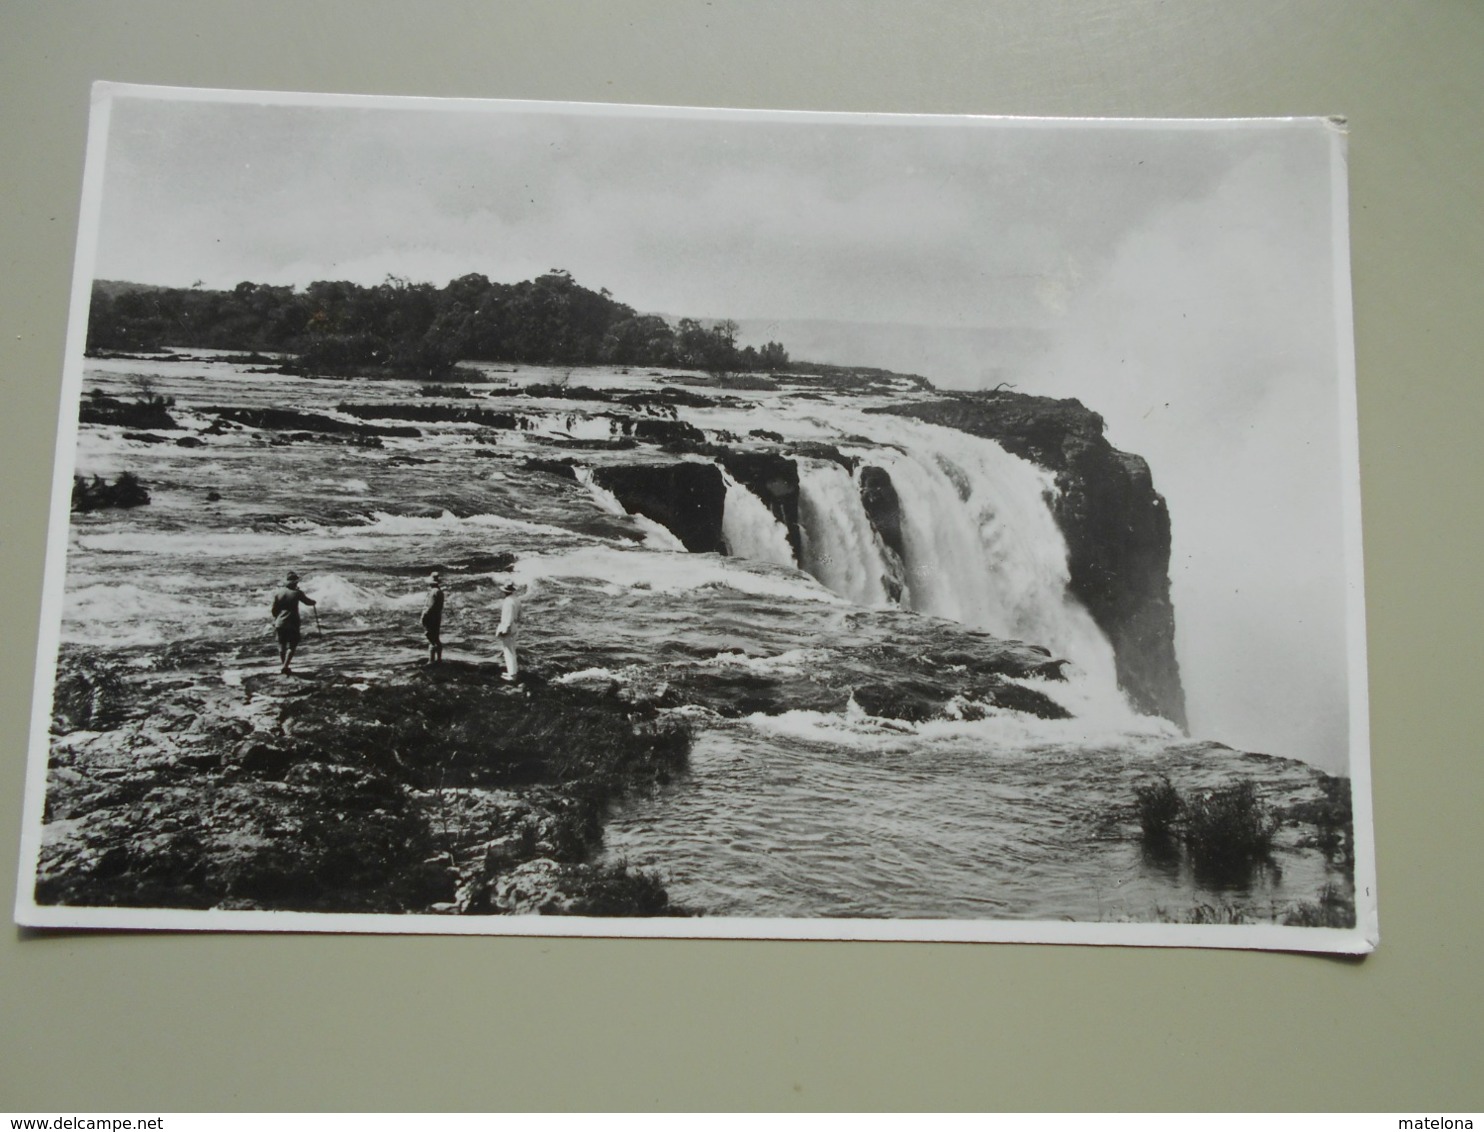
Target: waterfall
750	529
841	548
657	536
981	545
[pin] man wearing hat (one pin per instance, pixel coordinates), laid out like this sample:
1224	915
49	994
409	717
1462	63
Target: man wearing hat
432	617
506	633
286	604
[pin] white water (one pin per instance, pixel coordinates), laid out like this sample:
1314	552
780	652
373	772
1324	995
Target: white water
656	535
982	546
624	570
841	548
750	529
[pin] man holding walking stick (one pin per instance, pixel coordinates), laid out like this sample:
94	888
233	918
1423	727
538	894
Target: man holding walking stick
286	604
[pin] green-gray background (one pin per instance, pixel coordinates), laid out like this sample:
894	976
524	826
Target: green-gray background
152	1022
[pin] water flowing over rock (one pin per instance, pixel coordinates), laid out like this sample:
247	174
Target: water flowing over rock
840	547
688	498
751	530
1116	526
774	479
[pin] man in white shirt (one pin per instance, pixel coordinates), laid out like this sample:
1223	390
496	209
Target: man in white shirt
509	627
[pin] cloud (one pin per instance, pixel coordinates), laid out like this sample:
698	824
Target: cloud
1208	345
907	221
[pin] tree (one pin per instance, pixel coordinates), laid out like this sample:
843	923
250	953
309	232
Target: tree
773	356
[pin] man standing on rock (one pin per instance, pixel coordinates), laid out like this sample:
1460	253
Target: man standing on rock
506	633
286	604
432	618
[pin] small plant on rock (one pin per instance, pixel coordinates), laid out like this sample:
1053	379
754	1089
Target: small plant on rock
1225	832
1158	804
1229	829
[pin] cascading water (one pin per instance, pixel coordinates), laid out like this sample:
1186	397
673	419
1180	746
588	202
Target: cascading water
750	529
982	547
657	536
841	548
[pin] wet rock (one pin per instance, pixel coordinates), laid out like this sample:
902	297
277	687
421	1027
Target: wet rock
292	419
98	494
146	413
88	695
431	413
202	760
732	693
563	468
349	799
815	450
549	888
884	512
264	758
189	442
1116	526
117	862
883	507
669	396
688	498
1008	696
917	700
913	701
534	888
666	432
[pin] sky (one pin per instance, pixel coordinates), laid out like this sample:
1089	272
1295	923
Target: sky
1177	279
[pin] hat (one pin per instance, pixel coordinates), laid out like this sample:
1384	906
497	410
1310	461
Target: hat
292	577
508	587
437	577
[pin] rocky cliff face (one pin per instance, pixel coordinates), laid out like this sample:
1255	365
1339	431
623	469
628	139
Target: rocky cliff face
688	498
1116	526
1115	523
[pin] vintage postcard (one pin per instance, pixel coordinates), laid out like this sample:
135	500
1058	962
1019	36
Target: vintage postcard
506	517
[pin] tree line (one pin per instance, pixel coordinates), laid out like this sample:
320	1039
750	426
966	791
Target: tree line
417	329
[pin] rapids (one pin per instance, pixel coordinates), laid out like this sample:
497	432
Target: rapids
798	802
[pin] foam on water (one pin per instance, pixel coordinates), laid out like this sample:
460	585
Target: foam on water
1002	731
750	529
672	573
841	548
106	602
303	537
384	523
588	676
337	594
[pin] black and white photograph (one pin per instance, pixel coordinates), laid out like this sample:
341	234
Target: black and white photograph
542	518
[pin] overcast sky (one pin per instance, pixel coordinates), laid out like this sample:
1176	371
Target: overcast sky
1178	280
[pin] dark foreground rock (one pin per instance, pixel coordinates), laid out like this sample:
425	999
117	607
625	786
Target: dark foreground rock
440	791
